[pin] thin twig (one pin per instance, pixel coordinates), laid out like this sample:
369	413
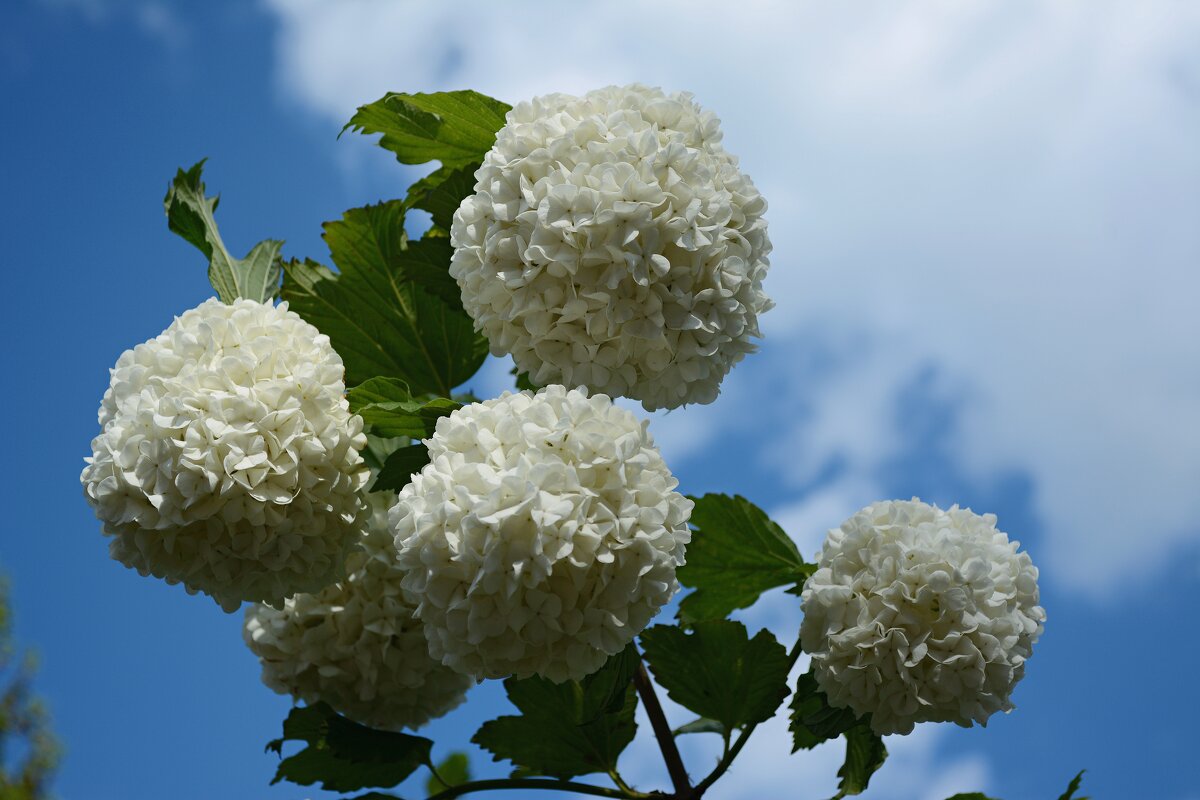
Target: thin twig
662	732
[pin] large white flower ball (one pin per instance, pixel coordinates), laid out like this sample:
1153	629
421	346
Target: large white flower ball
228	459
542	537
356	644
612	243
916	614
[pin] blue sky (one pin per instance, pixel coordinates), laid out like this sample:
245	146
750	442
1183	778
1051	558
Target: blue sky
986	255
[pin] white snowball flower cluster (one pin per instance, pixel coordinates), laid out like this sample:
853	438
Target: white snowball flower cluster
542	537
228	459
356	644
916	614
612	243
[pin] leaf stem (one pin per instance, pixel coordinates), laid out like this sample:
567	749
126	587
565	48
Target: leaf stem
528	783
662	732
732	753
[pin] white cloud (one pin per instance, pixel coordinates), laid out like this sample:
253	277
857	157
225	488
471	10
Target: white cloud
1007	190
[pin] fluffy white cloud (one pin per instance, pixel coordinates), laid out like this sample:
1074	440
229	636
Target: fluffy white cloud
1006	190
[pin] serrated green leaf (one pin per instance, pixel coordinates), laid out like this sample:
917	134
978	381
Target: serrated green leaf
389	409
735	555
1073	787
399	468
718	671
454	769
813	720
441	192
970	796
455	128
191	215
701	725
865	754
567	729
344	756
426	262
379	320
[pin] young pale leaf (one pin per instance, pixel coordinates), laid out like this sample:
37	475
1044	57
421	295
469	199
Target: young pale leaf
701	725
718	671
455	128
190	214
441	192
567	729
813	719
389	409
400	466
344	756
736	554
865	754
379	319
1073	787
455	769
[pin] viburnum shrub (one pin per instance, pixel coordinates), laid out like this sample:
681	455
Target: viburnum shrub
297	443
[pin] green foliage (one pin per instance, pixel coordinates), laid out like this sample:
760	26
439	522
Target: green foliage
344	756
379	319
701	725
970	796
736	554
865	754
718	671
1073	787
29	751
567	729
813	719
190	214
455	128
454	770
390	410
400	466
441	192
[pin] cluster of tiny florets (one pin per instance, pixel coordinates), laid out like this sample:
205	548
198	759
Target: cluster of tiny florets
542	537
356	645
228	459
916	614
612	243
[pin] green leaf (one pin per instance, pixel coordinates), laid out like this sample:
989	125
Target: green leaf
813	719
426	262
190	214
735	555
455	128
523	382
378	318
570	728
719	672
455	769
344	756
701	725
1073	787
865	754
399	468
390	410
441	192
970	796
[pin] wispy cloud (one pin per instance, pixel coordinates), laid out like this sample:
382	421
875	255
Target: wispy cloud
1004	191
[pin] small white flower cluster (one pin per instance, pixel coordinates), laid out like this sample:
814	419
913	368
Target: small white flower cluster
355	644
612	243
542	537
916	614
228	459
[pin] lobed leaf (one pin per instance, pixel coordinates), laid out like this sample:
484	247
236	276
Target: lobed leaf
190	213
455	128
567	729
390	410
735	555
379	311
442	191
344	756
813	720
399	467
865	754
454	769
718	671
